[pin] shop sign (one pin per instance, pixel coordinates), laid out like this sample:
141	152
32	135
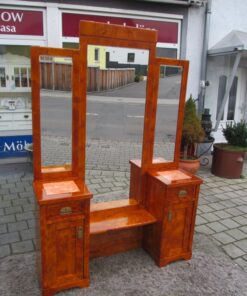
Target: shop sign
167	31
13	146
21	22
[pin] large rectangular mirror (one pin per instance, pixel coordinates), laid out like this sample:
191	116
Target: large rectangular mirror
116	97
169	90
56	113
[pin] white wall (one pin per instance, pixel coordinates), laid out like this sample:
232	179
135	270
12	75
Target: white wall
227	15
196	19
120	55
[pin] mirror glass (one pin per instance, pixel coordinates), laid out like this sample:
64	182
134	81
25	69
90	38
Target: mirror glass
56	113
167	113
116	95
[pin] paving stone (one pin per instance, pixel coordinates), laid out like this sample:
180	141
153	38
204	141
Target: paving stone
5	204
243	228
241	262
4	191
25	216
242	244
20	201
216	226
233	251
4	251
3	229
223	238
206	209
228	203
103	190
96	181
1	212
200	220
237	234
22	247
25	194
243	208
210	217
241	220
7	219
9	238
6	186
94	187
29	207
107	185
28	234
229	223
217	206
13	210
222	214
17	226
204	229
234	211
31	223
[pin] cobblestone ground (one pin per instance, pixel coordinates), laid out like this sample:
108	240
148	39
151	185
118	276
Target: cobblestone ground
222	211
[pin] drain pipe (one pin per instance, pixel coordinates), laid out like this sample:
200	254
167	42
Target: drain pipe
203	75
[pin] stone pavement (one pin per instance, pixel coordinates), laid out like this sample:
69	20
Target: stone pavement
222	211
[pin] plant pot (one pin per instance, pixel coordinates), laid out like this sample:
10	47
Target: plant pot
227	164
189	165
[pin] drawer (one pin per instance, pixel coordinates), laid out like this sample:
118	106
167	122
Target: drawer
22	116
182	193
64	209
6	116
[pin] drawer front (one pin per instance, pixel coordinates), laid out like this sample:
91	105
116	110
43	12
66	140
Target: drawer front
64	209
23	116
180	194
6	116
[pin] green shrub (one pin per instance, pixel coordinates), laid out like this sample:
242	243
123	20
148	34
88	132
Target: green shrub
192	132
236	133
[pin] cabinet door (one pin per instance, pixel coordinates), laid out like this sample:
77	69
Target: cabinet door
64	252
177	229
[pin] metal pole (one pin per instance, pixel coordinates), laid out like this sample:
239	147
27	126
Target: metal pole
228	88
201	96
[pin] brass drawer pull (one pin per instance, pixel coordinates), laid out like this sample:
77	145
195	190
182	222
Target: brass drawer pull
182	193
65	211
80	232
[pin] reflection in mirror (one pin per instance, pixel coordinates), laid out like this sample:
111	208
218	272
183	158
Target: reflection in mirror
115	116
55	113
167	113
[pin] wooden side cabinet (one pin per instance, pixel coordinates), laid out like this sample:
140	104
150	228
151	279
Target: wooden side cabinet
63	260
64	249
171	238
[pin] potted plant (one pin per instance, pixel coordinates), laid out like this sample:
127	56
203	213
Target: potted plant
228	158
192	133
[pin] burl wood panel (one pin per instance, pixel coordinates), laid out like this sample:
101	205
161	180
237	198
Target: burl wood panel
174	206
113	242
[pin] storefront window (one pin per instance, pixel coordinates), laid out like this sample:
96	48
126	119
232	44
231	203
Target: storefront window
15	91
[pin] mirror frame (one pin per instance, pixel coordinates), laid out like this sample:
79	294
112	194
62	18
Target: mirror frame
184	65
75	170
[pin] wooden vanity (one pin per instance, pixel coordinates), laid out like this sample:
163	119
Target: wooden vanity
159	215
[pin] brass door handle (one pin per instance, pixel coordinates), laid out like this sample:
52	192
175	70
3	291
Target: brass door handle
80	232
